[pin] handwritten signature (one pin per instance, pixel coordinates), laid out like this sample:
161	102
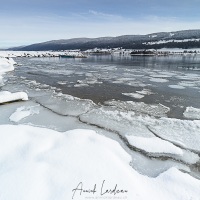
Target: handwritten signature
103	191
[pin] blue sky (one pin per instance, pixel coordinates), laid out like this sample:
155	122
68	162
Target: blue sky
25	22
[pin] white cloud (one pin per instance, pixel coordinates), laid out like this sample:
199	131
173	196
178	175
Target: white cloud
105	15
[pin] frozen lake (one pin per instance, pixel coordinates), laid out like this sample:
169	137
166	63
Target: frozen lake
173	81
137	115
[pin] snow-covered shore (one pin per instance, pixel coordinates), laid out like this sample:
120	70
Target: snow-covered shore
6	65
43	164
54	144
99	51
29	54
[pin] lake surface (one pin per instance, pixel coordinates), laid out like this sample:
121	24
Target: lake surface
173	81
132	98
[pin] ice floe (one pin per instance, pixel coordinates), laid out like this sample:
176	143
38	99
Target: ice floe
154	145
128	124
158	80
192	113
65	104
176	87
23	112
6	96
145	92
183	133
86	82
62	82
191	84
120	121
187	83
158	110
81	85
134	95
189	77
160	76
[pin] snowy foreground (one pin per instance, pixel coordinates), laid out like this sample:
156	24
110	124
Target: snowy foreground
56	146
39	163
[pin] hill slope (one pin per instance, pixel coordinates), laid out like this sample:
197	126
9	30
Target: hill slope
180	39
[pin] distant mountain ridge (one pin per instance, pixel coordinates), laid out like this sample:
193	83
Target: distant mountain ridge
180	39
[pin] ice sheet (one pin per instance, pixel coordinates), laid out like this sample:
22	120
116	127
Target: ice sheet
154	145
65	104
150	109
184	133
128	124
113	119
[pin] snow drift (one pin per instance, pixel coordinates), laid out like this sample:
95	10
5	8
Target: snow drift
6	64
38	163
6	96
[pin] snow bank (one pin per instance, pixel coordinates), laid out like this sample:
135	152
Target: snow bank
6	65
42	164
1	80
192	113
6	96
154	145
72	53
